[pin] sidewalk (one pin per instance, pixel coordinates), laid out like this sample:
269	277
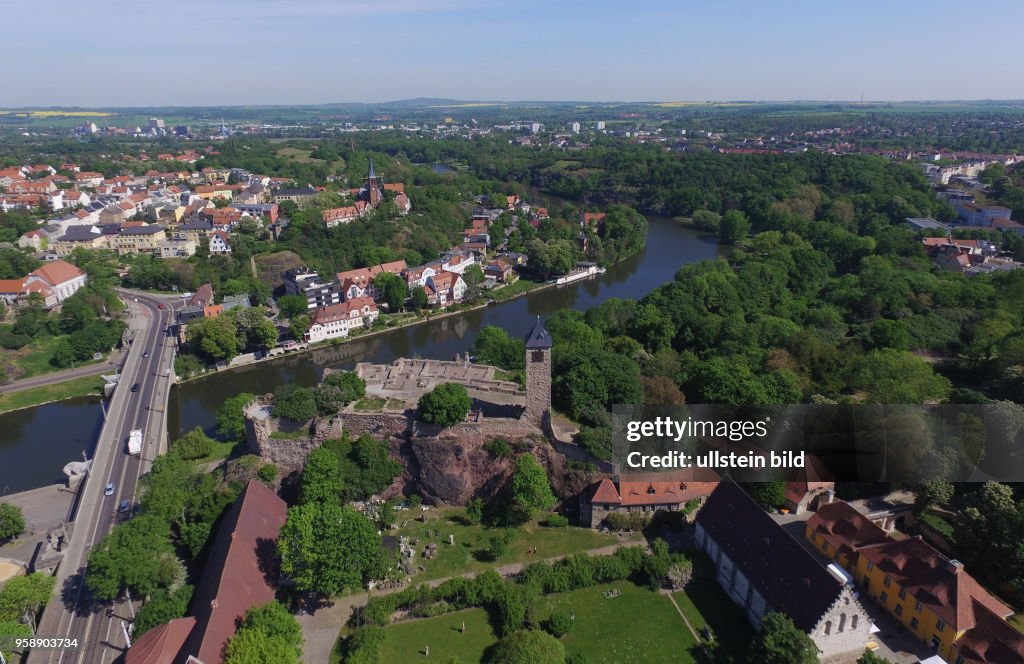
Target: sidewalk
320	629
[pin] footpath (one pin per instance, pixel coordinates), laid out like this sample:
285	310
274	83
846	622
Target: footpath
320	629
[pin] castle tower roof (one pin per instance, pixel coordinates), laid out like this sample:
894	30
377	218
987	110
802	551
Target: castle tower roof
538	338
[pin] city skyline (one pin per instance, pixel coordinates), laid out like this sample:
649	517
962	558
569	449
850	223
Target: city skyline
113	53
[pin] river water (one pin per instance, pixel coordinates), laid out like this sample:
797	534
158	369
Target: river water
36	443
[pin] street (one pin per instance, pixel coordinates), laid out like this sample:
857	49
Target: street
72	613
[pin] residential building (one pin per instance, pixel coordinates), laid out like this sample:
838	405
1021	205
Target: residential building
338	319
932	596
444	288
34	239
219	243
927	224
763	569
138	239
197	229
175	248
500	270
268	211
304	281
972	214
236	577
343	215
359	283
86	236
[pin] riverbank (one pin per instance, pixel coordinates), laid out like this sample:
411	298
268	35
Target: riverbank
533	287
84	386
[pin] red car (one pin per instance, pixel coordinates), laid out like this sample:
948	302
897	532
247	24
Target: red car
163	306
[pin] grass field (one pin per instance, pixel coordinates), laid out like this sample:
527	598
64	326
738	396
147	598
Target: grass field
298	154
76	387
33	359
464	556
708	605
637	626
519	287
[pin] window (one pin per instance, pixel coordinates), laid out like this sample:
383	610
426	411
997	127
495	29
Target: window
940	625
842	621
899	609
853	621
913	623
537	356
871	566
917	607
903	593
886	581
935	642
828	627
959	659
883	598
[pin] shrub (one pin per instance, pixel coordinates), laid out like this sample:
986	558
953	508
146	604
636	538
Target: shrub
556	521
446	404
193	445
267	472
559	624
499	448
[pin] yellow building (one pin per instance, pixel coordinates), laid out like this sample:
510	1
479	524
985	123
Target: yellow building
138	239
931	596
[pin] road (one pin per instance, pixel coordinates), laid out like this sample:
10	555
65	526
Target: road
72	612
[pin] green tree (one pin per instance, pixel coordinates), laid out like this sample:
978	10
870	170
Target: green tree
299	326
161	607
268	634
214	338
392	290
321	480
231	418
929	493
418	297
531	491
328	548
892	376
769	495
12	521
136	555
193	445
351	385
493	346
297	404
446	404
528	647
734	227
473	276
24	596
871	658
781	642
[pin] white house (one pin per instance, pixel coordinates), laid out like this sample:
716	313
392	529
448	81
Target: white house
55	282
445	288
336	320
219	243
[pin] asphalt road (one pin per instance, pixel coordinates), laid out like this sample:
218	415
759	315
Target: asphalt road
73	613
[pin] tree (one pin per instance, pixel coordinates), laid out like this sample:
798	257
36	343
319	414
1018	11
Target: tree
25	595
321	478
929	493
215	338
680	573
781	642
871	658
328	548
231	418
299	326
493	346
351	385
292	306
528	647
163	606
392	290
137	554
297	404
892	376
531	491
446	404
418	297
734	227
12	521
268	634
769	495
254	329
193	445
473	276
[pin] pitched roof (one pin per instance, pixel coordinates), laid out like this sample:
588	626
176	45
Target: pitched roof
787	575
57	272
202	296
161	644
937	582
341	310
845	528
538	336
236	577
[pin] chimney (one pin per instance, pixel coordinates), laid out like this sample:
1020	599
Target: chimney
955	566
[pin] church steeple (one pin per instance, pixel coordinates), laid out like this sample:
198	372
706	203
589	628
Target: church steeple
373	192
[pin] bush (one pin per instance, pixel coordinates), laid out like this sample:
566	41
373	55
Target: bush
499	448
555	521
559	624
297	404
193	445
628	521
267	472
12	521
363	647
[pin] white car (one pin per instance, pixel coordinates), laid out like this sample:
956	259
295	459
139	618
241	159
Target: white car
108	490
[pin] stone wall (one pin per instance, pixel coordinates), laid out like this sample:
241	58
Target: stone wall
538	388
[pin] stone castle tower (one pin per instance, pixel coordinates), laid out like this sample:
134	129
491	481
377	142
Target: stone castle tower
538	376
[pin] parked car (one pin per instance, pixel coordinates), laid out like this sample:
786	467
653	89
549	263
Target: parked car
109	490
124	506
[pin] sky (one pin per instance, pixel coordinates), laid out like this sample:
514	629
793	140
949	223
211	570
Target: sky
108	53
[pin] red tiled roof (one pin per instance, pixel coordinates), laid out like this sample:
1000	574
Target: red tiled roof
236	578
945	588
161	644
845	528
57	272
342	310
397	187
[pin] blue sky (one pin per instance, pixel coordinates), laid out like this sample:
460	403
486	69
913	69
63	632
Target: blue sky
207	52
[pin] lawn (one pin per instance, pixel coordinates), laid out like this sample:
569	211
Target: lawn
76	387
464	556
518	287
369	405
34	359
707	604
406	641
637	626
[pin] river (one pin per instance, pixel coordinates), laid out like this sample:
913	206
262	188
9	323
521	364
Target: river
62	428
